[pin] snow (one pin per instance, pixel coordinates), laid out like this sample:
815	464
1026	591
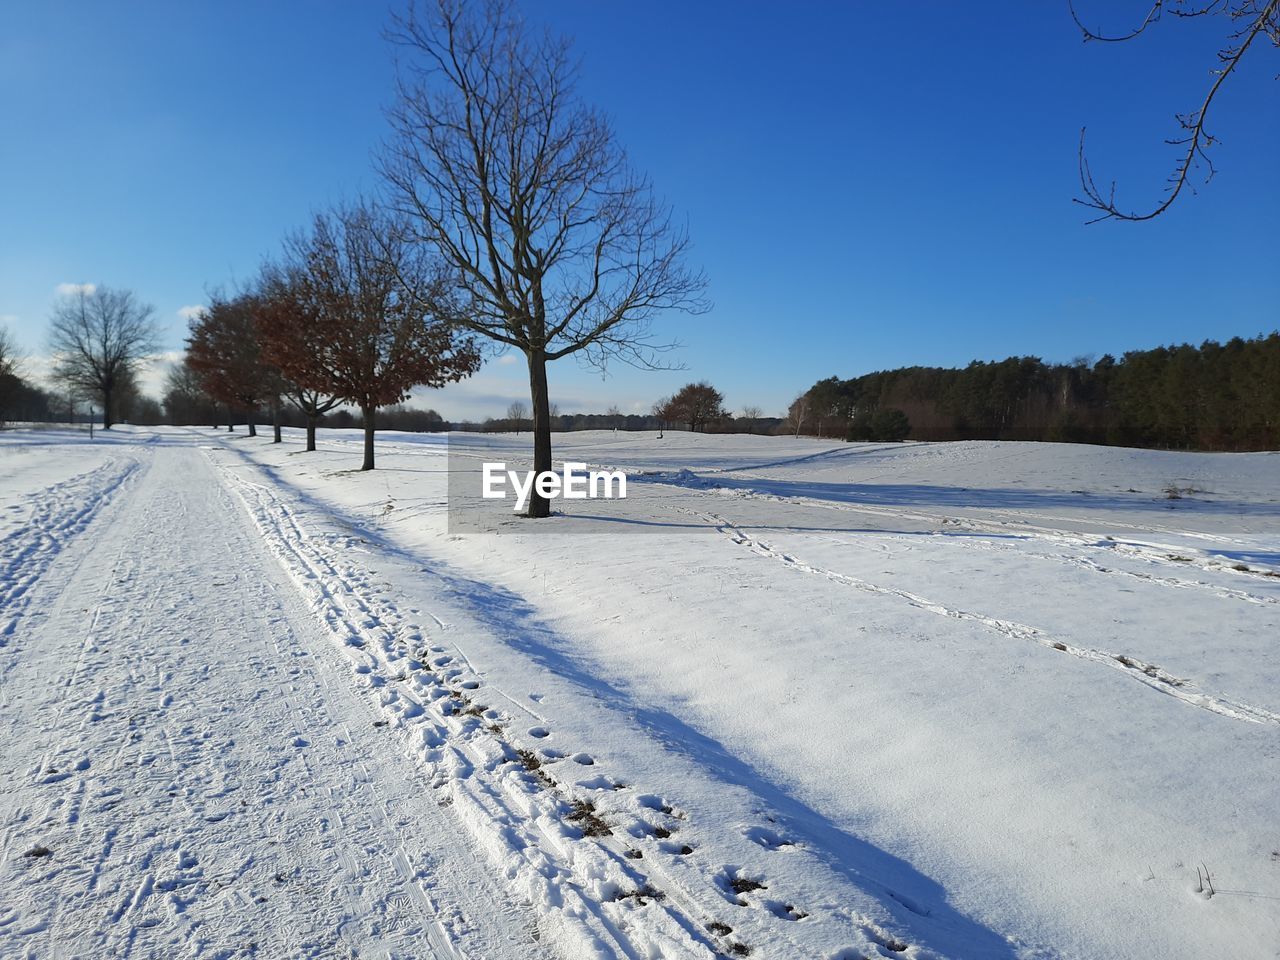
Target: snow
967	700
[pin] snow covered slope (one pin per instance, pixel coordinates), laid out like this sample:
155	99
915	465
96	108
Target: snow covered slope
792	698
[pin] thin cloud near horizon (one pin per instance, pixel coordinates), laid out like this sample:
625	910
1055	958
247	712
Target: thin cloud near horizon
70	289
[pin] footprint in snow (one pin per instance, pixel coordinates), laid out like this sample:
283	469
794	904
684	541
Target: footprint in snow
602	783
733	885
539	732
654	802
768	838
641	829
888	941
784	911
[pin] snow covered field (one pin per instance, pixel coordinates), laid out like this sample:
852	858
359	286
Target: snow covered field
790	699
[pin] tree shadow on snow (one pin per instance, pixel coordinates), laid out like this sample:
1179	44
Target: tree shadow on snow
915	900
1000	498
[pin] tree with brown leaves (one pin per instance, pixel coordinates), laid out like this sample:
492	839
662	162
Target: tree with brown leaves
224	351
697	404
290	335
369	317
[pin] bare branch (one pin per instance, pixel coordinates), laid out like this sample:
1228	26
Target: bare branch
1259	18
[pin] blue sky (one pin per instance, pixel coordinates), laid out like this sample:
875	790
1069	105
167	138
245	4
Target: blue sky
867	185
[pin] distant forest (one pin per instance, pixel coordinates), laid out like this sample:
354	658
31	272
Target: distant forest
1212	397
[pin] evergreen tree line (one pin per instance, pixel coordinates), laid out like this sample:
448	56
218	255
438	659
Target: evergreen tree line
1217	396
630	422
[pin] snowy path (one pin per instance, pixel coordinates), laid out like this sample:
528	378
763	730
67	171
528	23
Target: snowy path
51	518
205	778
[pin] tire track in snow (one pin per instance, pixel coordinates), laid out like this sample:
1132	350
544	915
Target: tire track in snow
59	513
1147	674
137	744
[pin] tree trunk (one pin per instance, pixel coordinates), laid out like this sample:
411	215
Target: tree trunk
368	414
253	427
540	506
311	433
231	420
106	408
275	422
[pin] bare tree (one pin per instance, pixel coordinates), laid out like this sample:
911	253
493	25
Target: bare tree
615	416
100	338
382	317
9	356
517	413
10	382
559	247
1249	19
797	411
751	415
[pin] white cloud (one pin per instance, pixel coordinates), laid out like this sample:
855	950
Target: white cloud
8	318
37	368
152	376
189	313
67	289
507	359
